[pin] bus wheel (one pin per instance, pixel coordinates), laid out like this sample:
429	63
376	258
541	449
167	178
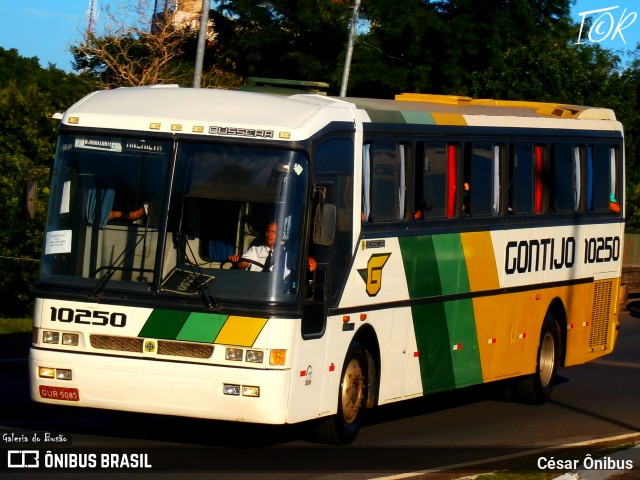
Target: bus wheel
536	389
343	428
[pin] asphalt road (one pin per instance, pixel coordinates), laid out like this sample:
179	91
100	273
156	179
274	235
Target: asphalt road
593	401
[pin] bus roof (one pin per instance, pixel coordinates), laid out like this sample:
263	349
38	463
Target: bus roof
168	108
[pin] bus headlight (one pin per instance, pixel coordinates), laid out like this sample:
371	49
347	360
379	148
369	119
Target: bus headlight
71	339
57	373
229	389
249	391
255	356
234	354
50	337
63	374
64	338
46	372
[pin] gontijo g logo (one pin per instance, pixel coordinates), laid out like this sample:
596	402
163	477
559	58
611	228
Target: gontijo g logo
372	275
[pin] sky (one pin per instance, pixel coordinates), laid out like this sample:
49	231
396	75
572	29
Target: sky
43	28
47	28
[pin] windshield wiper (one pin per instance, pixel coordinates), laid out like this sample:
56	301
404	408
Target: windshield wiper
196	276
201	281
124	256
111	269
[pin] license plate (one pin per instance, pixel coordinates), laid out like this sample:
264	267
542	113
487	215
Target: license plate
60	393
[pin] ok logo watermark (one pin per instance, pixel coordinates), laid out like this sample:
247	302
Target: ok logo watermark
605	25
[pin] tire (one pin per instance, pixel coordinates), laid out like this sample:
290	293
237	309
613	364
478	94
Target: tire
342	428
536	388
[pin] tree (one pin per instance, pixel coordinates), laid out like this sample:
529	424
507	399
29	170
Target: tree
29	95
435	46
285	38
138	46
400	52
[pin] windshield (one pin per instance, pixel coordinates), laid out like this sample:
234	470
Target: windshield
238	202
105	209
230	230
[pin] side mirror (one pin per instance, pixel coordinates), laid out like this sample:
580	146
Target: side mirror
30	196
324	224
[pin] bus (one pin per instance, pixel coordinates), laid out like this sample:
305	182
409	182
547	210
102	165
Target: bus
454	242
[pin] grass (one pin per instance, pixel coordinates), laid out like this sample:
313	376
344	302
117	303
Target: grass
15	325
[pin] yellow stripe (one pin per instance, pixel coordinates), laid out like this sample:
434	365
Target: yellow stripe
483	275
431	98
480	260
241	331
448	118
486	311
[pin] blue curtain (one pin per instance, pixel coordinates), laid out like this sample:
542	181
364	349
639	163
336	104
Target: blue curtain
103	199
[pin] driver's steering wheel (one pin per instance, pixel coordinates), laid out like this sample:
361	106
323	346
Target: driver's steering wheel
242	259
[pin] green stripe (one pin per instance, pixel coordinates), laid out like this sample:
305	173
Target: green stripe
385	116
451	263
434	266
422	118
202	327
432	338
420	266
461	324
164	324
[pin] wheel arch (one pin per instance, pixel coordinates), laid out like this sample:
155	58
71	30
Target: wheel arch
367	337
557	309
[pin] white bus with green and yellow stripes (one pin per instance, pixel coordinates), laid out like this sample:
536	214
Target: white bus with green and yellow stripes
455	242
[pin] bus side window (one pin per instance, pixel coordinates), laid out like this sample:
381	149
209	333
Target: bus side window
564	191
333	168
525	179
481	180
384	180
603	182
431	182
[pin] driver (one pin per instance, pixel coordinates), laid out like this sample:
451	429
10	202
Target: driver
261	253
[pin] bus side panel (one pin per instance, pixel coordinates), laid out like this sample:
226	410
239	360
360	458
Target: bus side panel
521	317
467	329
392	328
445	331
413	379
579	266
378	277
491	326
577	302
311	375
335	343
429	320
432	339
592	325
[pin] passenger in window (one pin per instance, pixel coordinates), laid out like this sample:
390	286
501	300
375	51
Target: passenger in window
422	209
614	206
258	257
419	215
466	200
